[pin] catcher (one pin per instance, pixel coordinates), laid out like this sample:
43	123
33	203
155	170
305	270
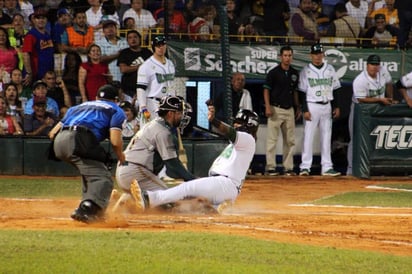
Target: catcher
153	147
226	175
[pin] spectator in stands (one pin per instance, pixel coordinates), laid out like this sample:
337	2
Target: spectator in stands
79	36
276	14
5	19
64	20
380	35
94	16
322	20
359	10
40	122
304	23
93	74
123	6
109	12
128	24
110	46
11	7
8	124
405	21
177	22
199	28
16	36
23	92
390	12
70	76
40	90
373	85
144	18
13	103
26	8
345	26
188	11
129	62
8	54
73	5
328	7
38	49
236	27
131	124
57	90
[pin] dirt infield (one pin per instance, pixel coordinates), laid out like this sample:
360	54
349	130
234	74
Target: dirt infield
275	209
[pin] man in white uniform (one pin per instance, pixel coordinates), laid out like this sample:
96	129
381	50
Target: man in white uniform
373	85
154	79
404	86
226	175
318	82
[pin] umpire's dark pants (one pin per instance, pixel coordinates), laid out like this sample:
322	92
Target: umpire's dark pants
97	179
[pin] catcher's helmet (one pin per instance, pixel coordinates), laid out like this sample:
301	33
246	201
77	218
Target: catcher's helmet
248	120
175	103
158	41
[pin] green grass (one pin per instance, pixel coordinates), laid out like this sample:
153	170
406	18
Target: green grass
178	252
383	199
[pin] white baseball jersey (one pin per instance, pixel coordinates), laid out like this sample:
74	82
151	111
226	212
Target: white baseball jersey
365	86
406	81
318	84
156	78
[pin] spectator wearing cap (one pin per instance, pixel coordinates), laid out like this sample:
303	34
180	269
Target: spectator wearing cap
371	86
64	20
91	123
40	90
390	12
79	36
144	18
380	35
319	88
73	5
131	124
38	48
111	45
40	122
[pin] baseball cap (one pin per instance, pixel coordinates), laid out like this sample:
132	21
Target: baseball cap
107	23
373	60
159	40
39	83
316	48
39	100
62	11
380	16
108	92
126	105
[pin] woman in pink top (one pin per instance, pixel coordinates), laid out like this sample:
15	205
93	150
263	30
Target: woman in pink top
8	54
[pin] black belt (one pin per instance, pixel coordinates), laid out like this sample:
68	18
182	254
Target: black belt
154	98
282	106
76	128
321	103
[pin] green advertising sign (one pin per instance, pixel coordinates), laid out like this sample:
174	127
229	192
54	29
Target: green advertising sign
204	59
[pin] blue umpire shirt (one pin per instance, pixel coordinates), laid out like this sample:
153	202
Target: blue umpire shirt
98	116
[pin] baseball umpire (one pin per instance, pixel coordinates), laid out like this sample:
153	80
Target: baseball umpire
77	140
226	175
154	147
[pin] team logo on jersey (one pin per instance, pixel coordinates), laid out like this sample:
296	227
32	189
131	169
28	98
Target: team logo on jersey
393	137
338	60
192	59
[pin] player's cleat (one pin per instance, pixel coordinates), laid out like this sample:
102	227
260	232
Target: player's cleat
331	172
222	206
115	195
271	172
87	212
304	172
289	173
138	196
123	200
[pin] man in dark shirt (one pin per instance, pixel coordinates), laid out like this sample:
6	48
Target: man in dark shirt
277	12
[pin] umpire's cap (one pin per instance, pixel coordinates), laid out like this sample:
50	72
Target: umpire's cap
108	92
171	103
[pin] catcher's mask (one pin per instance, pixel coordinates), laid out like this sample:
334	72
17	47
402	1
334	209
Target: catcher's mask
175	103
248	121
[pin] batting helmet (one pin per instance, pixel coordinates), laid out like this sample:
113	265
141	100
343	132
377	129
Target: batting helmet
158	41
248	120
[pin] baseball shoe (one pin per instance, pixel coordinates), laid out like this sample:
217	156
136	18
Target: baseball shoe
138	196
304	172
331	172
222	206
289	173
88	212
271	172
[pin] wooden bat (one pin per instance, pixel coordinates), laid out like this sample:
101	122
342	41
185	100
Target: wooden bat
182	151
